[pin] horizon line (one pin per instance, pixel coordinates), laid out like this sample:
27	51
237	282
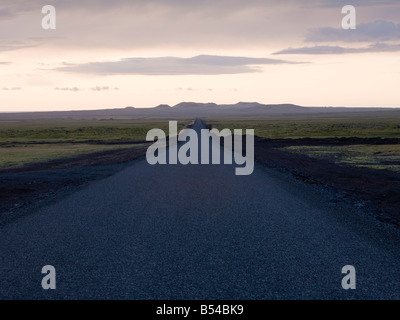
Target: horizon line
224	104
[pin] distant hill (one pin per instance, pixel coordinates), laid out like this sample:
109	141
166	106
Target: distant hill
206	110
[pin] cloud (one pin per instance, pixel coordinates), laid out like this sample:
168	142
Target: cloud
356	3
4	62
26	42
15	45
198	24
97	88
199	65
193	89
74	89
6	14
12	89
24	5
128	24
375	31
378	47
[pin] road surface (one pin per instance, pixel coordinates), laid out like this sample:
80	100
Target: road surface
198	232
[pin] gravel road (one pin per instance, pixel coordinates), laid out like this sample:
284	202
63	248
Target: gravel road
198	232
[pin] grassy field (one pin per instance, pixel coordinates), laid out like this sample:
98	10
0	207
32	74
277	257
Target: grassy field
21	154
316	128
362	155
370	156
31	141
80	130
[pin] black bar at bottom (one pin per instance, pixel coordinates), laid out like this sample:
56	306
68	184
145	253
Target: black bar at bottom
196	309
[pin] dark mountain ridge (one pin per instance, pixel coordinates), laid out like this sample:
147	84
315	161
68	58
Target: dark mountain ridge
194	109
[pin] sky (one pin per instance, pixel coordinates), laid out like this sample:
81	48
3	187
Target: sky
142	53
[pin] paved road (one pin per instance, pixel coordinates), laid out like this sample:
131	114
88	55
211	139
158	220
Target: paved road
197	232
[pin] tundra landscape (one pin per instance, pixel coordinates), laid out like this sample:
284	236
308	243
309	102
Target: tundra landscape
348	159
345	139
192	157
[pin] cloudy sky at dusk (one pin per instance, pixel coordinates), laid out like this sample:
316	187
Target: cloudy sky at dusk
113	54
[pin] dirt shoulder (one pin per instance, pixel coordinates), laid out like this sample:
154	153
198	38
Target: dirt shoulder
379	189
40	182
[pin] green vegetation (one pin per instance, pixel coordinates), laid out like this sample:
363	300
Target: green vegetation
363	155
32	141
371	156
80	130
20	154
316	128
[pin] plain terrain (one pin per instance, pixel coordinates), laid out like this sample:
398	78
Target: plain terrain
197	232
357	154
30	140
